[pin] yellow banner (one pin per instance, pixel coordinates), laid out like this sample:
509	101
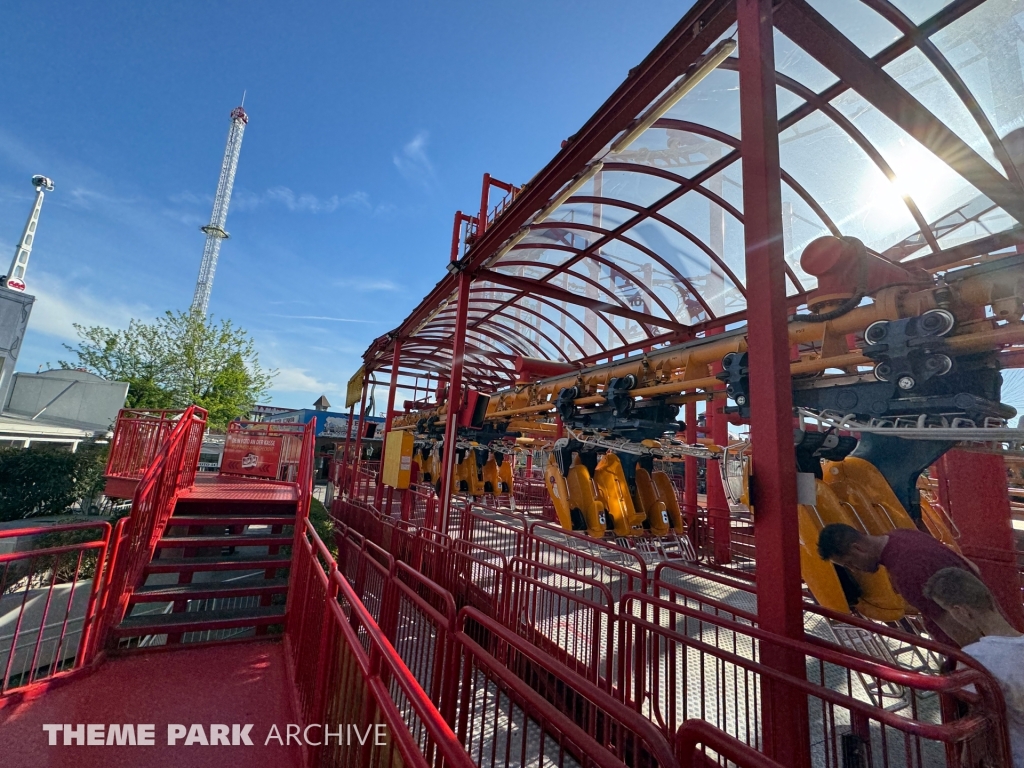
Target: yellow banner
355	389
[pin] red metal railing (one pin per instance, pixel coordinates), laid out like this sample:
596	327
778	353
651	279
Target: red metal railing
680	663
172	471
346	671
422	505
531	496
519	703
879	707
496	530
294	462
623	569
570	616
138	435
49	602
696	736
304	474
508	700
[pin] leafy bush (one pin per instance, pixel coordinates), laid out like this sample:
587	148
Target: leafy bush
323	525
62	568
48	480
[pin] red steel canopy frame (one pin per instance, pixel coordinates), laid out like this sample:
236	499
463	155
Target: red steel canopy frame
897	122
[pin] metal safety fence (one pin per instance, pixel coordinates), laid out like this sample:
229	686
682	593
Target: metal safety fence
50	588
681	643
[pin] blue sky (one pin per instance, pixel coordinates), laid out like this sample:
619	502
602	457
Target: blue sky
370	124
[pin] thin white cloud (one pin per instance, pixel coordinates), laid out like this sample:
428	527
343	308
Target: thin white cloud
323	317
291	379
364	285
304	203
20	155
246	200
59	305
414	163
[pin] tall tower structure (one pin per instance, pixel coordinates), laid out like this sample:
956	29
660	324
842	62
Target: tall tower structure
215	231
15	277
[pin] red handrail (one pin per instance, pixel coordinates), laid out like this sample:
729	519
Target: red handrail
138	435
172	471
954	734
339	655
638	632
304	476
694	734
38	571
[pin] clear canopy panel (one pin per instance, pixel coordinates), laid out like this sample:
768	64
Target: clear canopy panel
901	123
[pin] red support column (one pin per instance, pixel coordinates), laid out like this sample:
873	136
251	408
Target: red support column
389	415
779	605
690	477
485	196
460	219
343	479
359	435
719	515
972	489
454	399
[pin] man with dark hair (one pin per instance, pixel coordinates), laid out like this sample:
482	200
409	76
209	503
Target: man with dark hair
911	558
1000	648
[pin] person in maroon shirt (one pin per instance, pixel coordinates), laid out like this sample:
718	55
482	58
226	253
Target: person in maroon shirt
911	558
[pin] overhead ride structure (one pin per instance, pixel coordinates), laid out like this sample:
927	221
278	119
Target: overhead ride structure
798	219
802	213
215	231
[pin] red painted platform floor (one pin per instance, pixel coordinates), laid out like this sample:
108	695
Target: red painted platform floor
216	487
228	684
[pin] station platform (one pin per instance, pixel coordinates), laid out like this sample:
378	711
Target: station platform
239	683
214	486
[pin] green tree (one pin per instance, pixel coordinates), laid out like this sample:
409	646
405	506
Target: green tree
131	355
177	360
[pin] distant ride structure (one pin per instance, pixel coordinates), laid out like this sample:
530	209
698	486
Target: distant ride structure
15	277
215	231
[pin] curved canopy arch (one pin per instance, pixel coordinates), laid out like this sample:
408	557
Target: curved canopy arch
889	133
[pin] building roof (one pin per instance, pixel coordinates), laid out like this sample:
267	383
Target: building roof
15	426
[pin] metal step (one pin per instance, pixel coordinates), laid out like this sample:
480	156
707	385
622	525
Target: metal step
208	590
199	621
236	540
225	563
178	521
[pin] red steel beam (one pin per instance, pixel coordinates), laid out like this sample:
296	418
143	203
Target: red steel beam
389	415
972	489
973	249
454	399
359	433
460	219
690	475
531	287
812	32
687	41
417	341
779	606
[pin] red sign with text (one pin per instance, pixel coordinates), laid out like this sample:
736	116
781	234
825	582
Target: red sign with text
253	455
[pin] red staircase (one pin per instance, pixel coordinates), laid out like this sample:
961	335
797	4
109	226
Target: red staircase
513	643
207	557
215	570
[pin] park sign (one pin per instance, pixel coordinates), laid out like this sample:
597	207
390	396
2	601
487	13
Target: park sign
252	455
